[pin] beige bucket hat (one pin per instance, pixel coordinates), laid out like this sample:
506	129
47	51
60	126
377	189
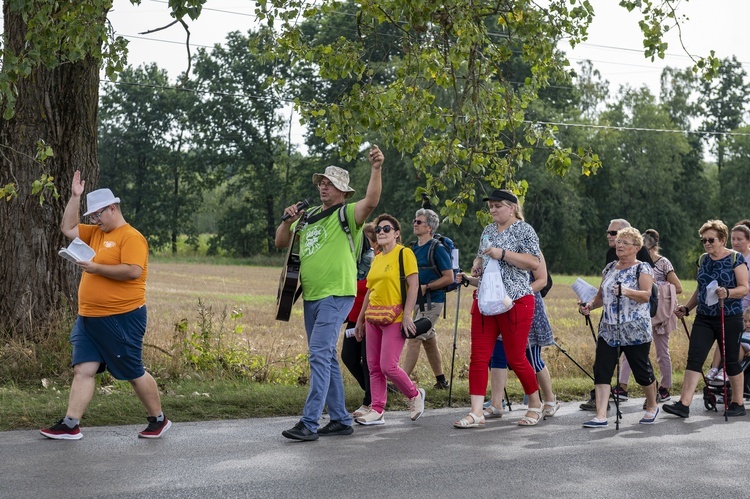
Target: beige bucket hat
338	177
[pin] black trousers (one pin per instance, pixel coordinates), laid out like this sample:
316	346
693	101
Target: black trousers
354	356
706	331
637	355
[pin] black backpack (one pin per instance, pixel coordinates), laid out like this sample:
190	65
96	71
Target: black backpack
449	247
653	301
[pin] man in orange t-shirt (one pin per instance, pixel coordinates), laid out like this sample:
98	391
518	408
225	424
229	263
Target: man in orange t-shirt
108	332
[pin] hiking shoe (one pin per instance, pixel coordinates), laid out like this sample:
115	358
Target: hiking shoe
735	409
596	423
711	374
372	418
678	409
662	395
442	385
621	393
416	405
300	432
155	429
590	405
335	428
61	431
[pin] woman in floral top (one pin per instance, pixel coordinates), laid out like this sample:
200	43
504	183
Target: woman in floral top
625	325
515	246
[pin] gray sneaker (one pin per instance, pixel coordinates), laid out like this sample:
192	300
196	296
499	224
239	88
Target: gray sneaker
416	405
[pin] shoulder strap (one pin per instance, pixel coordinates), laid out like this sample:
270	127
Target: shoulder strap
431	256
345	226
402	277
316	216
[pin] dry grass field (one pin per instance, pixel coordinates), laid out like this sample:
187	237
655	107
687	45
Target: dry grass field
174	291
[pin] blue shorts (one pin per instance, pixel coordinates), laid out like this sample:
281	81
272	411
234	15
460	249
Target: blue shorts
115	341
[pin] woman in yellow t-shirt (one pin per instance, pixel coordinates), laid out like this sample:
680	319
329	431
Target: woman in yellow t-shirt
384	314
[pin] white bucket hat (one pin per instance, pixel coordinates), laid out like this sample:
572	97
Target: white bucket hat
338	177
98	199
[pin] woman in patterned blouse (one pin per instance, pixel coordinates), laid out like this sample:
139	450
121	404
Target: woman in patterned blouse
515	246
625	326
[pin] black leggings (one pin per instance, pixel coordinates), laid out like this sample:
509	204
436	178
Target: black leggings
706	331
637	355
354	355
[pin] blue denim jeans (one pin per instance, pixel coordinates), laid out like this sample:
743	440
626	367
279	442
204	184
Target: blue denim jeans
323	320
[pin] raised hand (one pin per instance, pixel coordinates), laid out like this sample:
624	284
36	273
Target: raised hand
77	186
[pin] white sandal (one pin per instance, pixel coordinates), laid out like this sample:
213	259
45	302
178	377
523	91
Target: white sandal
490	412
470	421
531	421
550	408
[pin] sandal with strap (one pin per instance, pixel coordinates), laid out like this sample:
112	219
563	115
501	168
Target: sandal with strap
470	421
531	421
490	412
550	408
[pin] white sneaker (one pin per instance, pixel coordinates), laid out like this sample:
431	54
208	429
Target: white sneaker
711	374
416	405
363	409
372	418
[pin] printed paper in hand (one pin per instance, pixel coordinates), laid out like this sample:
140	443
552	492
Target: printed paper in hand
77	251
585	291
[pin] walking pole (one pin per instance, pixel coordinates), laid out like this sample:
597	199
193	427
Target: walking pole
591	326
565	352
455	333
617	392
724	356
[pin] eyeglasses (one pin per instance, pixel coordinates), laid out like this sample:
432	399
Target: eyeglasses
384	228
96	216
323	183
418	222
624	243
709	240
612	232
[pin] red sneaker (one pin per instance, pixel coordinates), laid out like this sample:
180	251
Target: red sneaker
155	429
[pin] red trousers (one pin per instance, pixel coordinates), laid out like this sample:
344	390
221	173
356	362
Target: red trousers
514	326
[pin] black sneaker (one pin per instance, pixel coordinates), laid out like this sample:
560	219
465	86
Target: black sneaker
335	428
442	385
300	432
677	409
61	431
662	394
155	429
736	409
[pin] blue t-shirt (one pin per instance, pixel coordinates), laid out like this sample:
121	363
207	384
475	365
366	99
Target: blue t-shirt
426	272
722	271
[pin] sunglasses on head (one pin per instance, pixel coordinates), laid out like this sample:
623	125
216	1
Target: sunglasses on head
709	240
384	228
612	232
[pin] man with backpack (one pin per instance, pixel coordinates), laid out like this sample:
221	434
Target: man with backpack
435	274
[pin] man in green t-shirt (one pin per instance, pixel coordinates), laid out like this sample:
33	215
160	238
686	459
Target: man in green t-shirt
328	274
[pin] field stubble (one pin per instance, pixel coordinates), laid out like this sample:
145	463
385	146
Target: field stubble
174	291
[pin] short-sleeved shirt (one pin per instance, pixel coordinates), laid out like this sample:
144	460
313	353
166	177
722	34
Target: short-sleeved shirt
520	237
722	271
328	266
384	278
100	296
662	268
632	325
427	273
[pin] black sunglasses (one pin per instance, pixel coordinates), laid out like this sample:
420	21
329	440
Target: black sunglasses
612	232
417	222
384	228
709	240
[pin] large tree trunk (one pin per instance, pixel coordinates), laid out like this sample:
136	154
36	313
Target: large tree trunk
58	106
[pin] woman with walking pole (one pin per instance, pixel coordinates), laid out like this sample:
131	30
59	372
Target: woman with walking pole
722	282
625	326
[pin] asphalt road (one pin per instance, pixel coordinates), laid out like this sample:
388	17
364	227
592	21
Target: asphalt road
698	457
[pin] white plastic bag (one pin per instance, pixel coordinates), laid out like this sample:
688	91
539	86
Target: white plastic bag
492	298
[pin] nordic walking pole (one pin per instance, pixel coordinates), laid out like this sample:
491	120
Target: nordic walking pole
724	356
617	392
455	334
591	327
565	352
